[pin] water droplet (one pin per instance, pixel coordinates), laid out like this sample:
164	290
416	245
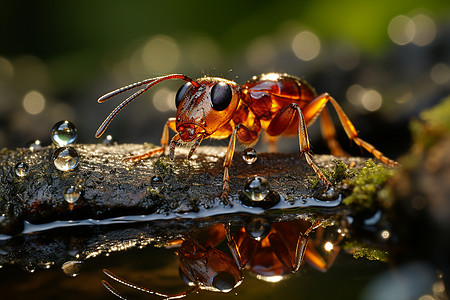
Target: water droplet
256	188
258	228
64	133
21	169
249	155
257	193
65	158
72	267
329	194
72	193
156	182
108	140
34	145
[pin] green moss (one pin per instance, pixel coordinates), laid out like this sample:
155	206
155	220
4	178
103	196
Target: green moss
162	167
366	183
340	172
432	126
360	250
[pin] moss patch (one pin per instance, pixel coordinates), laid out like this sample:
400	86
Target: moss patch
432	126
367	182
360	250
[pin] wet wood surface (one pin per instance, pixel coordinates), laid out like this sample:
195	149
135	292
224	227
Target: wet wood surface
113	187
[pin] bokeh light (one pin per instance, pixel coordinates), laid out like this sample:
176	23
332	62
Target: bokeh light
33	102
401	30
440	73
425	30
160	54
306	45
419	30
368	99
371	100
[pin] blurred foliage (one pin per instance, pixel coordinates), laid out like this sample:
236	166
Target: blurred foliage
433	126
72	36
71	52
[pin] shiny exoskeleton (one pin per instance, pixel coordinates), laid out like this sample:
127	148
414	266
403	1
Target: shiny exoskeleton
201	265
281	249
212	107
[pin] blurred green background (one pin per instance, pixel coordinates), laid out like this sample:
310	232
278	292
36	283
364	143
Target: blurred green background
58	57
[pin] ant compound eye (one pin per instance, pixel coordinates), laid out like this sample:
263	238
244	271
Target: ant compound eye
224	281
221	95
181	92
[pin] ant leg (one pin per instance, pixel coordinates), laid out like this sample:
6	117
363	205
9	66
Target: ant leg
246	137
329	134
315	107
282	120
241	245
170	123
140	288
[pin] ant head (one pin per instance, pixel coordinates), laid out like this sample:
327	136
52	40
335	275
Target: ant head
204	108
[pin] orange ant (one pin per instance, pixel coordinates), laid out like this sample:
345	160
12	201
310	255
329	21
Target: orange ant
272	253
212	107
279	249
201	266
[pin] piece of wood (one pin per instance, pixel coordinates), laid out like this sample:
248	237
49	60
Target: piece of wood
113	187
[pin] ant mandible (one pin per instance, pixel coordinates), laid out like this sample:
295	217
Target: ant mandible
212	107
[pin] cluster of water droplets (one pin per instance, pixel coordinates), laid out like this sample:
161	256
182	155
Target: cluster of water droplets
65	157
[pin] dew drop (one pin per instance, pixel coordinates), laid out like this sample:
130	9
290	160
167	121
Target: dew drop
72	193
258	228
72	267
65	158
257	193
64	133
256	188
34	145
249	155
157	182
329	194
108	140
21	169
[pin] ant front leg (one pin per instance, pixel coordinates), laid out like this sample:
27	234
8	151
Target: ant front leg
246	137
282	120
170	123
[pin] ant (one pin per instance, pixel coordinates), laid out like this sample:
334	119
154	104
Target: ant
201	266
212	107
276	250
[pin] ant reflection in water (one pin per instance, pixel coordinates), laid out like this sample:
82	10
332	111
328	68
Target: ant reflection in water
274	251
271	252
